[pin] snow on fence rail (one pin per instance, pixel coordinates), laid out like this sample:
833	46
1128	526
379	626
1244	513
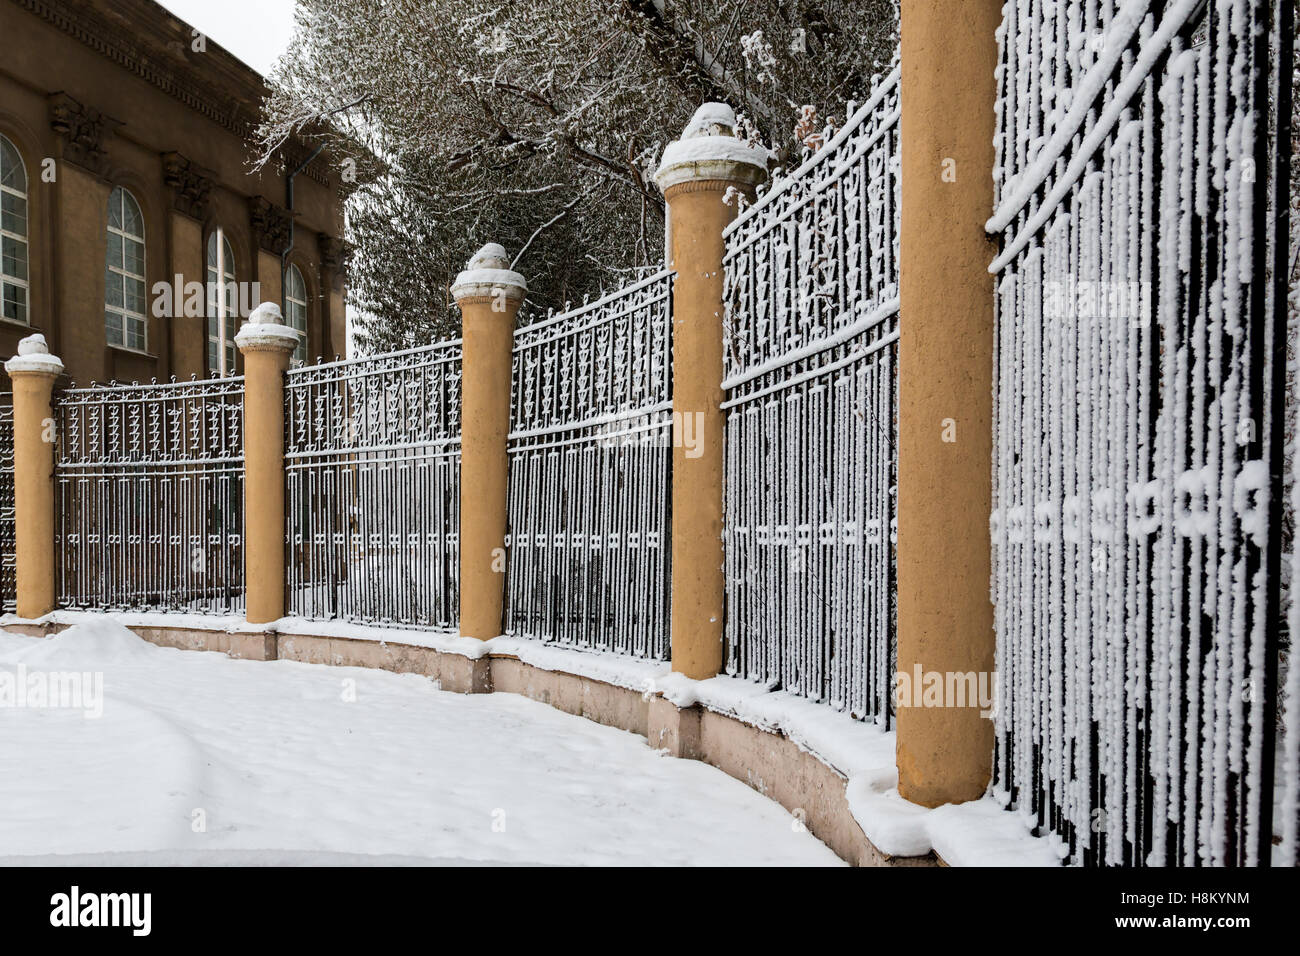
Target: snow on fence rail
811	366
372	463
149	486
590	457
1136	429
8	562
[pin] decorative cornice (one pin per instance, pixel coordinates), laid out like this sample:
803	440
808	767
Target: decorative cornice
270	224
235	112
191	185
484	299
82	131
707	186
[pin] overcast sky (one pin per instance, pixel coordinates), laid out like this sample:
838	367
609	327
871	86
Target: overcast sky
256	31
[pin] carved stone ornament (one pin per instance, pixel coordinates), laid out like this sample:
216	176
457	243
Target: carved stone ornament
191	186
270	225
82	130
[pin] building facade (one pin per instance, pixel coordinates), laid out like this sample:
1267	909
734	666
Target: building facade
134	235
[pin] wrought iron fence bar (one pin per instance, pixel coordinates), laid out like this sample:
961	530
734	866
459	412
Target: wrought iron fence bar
8	559
597	421
817	347
810	399
439	447
149	492
569	320
1083	113
783	214
604	439
372	465
534	337
117	392
1130	348
811	374
857	118
158	465
448	345
588	548
379	371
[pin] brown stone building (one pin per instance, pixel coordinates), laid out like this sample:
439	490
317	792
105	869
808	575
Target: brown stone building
124	164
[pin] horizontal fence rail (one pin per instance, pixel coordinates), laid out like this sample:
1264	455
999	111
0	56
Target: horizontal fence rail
8	560
149	485
372	512
1135	429
810	396
590	457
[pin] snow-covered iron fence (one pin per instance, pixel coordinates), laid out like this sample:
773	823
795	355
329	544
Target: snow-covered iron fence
590	457
1137	428
372	471
8	561
810	395
1288	827
149	486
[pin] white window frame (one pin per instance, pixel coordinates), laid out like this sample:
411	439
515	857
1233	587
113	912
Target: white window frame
128	315
296	321
6	278
227	319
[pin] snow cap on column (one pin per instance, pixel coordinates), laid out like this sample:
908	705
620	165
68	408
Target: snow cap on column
709	149
265	329
34	356
488	273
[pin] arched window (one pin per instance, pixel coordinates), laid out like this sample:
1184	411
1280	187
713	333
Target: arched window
124	296
223	299
13	235
295	310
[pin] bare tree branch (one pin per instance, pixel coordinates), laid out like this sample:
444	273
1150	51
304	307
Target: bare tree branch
542	228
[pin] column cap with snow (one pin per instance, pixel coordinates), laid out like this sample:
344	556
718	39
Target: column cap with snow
34	356
265	331
710	150
488	275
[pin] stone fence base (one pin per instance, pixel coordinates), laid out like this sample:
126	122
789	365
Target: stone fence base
768	761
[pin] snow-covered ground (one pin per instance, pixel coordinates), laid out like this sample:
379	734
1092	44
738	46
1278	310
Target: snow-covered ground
198	758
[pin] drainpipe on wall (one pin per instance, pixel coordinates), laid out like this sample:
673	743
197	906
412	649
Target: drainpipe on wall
288	202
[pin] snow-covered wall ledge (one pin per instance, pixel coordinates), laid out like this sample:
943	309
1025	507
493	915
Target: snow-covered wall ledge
620	691
977	833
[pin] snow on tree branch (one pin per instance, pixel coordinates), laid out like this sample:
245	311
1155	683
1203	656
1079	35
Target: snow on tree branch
536	124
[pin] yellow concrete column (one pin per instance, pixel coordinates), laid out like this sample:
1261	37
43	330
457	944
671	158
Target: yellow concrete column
695	174
266	344
488	294
33	371
945	619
